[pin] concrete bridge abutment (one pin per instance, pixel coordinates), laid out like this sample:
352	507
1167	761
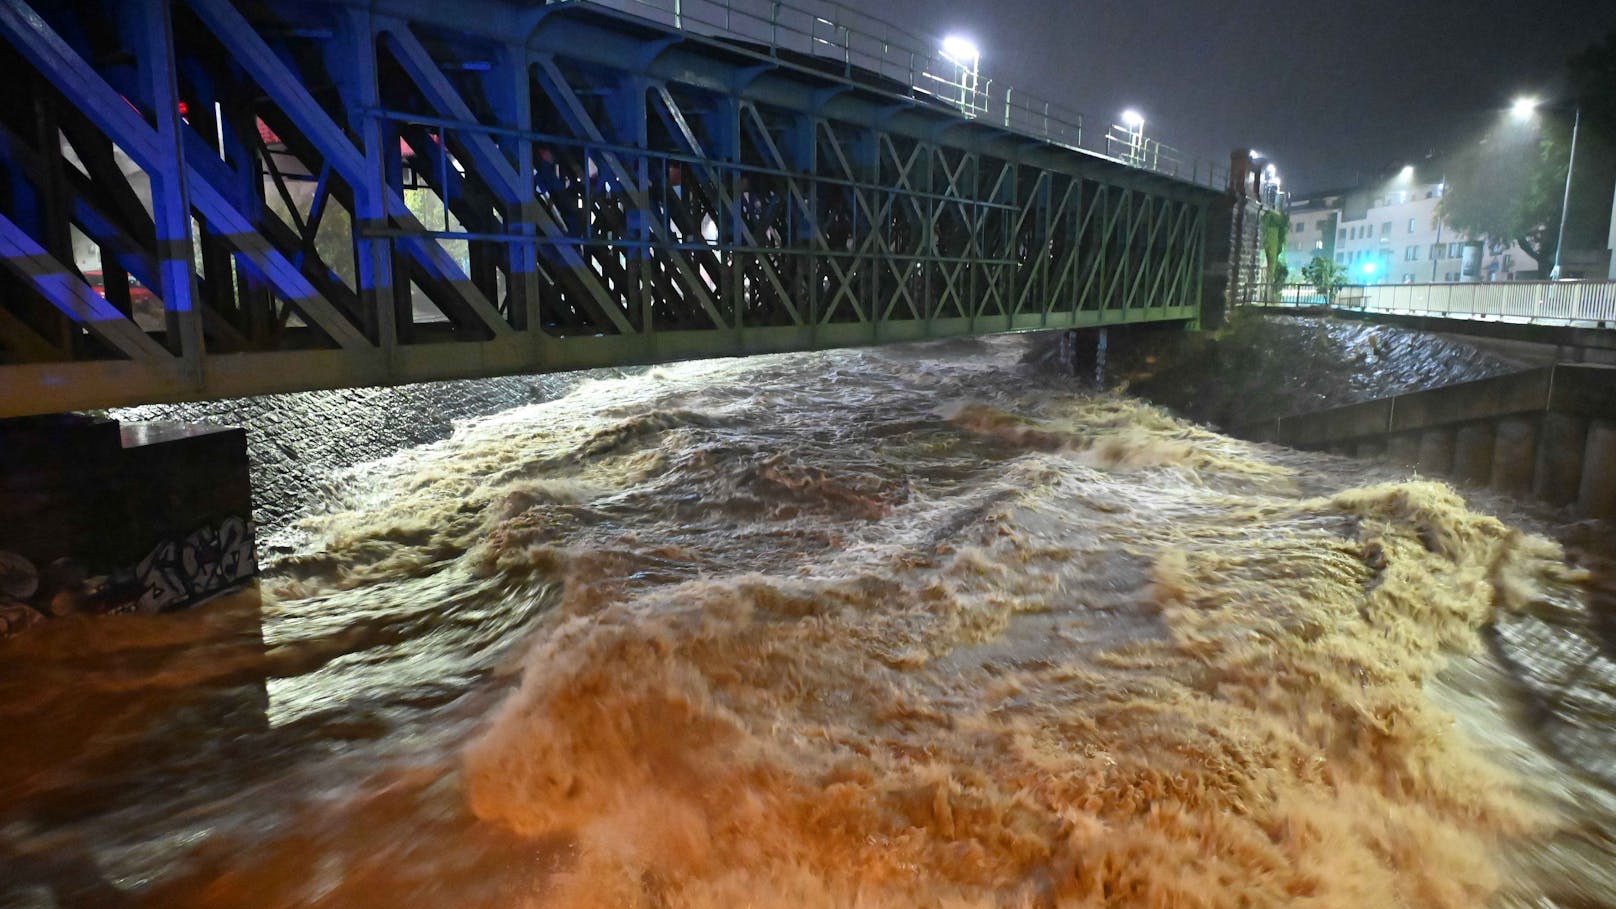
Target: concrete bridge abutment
1547	433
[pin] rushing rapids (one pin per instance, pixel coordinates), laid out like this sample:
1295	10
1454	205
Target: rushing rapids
905	627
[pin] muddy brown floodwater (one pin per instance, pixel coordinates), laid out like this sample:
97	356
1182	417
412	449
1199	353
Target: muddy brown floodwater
904	627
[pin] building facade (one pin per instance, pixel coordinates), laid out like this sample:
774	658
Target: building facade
1314	228
1392	235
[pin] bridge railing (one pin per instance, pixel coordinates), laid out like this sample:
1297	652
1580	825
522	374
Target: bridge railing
1582	304
861	44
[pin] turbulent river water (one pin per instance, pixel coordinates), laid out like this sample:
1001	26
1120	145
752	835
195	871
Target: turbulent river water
907	627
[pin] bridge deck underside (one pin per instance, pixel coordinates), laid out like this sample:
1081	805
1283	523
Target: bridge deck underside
208	198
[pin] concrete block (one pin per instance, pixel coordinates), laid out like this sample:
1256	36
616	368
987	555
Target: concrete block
1521	392
1585	390
1473	453
1558	477
1514	454
1597	495
1354	421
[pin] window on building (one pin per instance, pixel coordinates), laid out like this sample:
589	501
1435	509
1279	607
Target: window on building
1436	251
1509	262
1340	258
1298	227
1322	225
1411	225
1411	254
1408	277
1341	235
1455	250
1386	232
1318	245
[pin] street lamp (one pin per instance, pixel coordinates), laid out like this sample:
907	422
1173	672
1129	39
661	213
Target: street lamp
1522	109
1565	199
1135	123
963	52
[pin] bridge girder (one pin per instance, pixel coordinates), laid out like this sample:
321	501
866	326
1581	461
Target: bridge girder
208	198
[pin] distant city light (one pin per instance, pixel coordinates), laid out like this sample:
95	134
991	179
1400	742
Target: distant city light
1133	118
1368	268
1407	173
1257	155
1523	108
961	50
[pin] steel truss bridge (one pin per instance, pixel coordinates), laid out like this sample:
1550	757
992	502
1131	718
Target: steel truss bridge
213	198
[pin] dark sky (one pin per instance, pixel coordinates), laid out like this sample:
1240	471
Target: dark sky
1328	89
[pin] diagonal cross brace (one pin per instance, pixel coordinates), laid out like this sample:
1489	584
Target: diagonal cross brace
69	293
288	92
42	47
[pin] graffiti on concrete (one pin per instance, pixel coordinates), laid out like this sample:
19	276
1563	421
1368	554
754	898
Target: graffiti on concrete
207	561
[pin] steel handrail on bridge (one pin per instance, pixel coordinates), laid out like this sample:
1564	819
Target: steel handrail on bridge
1576	304
865	45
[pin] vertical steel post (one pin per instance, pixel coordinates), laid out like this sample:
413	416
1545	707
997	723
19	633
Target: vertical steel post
510	91
353	65
1565	199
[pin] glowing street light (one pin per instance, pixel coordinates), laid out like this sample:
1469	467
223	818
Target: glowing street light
961	50
1523	109
1133	119
1407	173
963	53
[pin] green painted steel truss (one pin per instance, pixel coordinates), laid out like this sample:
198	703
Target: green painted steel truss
210	198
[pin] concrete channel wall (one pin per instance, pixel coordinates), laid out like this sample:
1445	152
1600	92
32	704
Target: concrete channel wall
1548	433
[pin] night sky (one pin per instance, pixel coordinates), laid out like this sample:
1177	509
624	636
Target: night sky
1330	90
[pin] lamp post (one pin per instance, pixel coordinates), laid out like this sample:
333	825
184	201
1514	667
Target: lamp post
1524	108
964	53
1442	190
1135	122
1565	199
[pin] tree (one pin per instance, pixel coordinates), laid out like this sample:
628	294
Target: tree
1276	229
1509	186
1326	277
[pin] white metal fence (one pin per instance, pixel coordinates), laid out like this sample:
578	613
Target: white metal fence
1576	303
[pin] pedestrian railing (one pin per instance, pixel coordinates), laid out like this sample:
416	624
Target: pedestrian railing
1585	304
861	46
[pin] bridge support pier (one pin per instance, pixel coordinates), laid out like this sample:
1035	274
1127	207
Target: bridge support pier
1559	458
1436	451
1597	497
1514	454
1473	454
1404	449
140	517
